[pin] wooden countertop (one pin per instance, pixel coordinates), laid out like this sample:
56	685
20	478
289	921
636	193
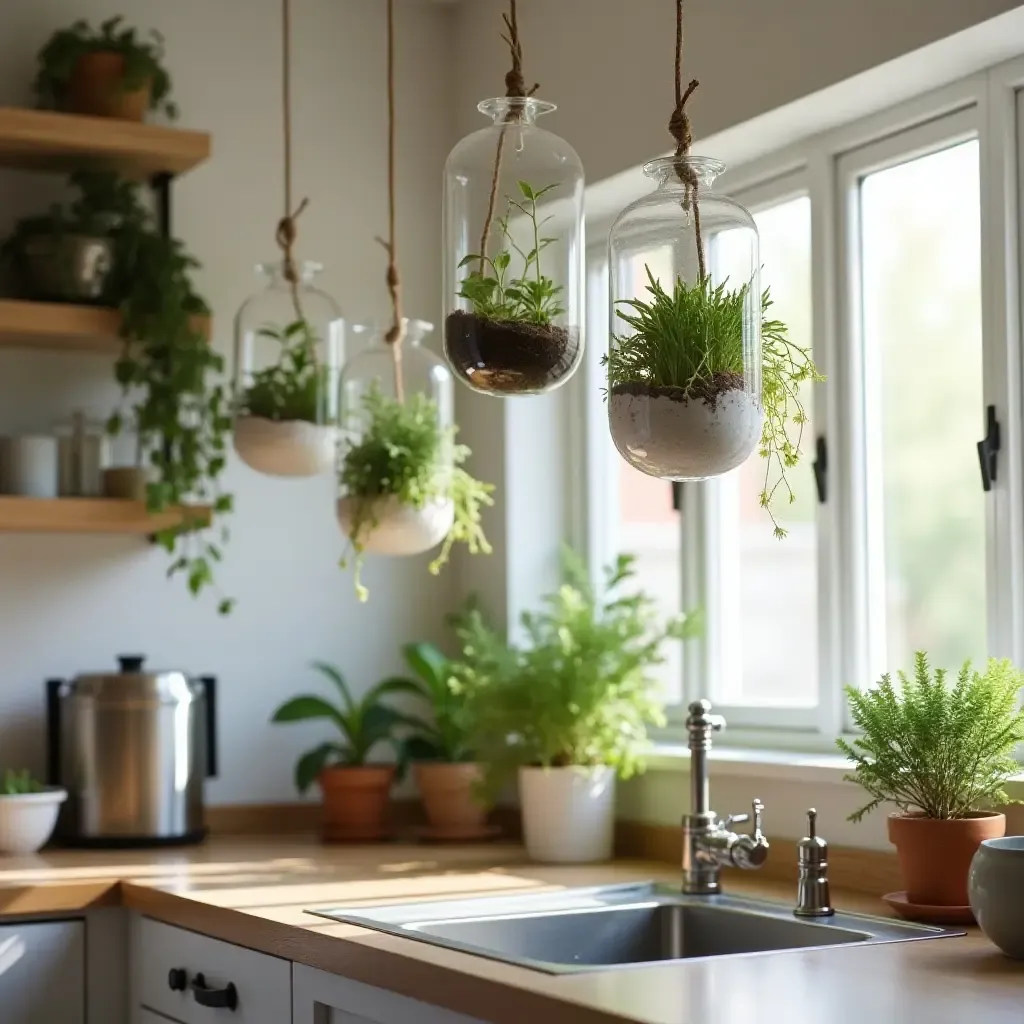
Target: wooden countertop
254	892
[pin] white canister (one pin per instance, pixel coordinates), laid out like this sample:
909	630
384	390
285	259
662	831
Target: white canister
568	813
30	466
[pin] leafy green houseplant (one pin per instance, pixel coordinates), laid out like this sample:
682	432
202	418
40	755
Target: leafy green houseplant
355	791
942	754
403	485
568	708
112	71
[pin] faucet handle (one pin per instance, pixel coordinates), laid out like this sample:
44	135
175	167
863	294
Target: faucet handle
751	851
733	819
758	808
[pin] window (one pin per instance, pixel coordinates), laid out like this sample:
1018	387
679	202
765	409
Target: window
888	251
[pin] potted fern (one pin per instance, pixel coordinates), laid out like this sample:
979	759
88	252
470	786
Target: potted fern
942	755
567	710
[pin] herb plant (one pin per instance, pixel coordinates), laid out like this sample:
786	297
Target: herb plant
18	783
692	340
530	297
363	723
294	386
143	61
404	452
943	750
581	690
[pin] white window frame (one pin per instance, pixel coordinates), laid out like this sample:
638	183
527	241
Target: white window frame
988	105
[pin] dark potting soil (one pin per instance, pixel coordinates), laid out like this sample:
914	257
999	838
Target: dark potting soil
708	390
508	356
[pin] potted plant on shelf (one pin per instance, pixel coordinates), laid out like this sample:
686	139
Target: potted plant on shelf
446	773
28	812
569	709
355	791
942	754
112	71
403	485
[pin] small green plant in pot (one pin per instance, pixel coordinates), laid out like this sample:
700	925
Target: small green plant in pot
942	755
28	812
355	789
569	708
112	71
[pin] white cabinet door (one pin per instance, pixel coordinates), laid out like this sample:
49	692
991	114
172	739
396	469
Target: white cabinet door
322	998
42	972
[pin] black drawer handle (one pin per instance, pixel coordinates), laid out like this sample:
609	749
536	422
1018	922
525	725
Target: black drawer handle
216	998
177	979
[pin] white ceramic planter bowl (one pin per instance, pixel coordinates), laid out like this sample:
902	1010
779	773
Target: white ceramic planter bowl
995	885
568	813
285	448
27	819
400	529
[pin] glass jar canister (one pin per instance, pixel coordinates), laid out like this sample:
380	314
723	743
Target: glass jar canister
684	361
513	259
289	344
395	456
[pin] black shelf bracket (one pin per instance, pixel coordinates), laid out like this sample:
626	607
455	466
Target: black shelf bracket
677	496
820	467
161	185
988	449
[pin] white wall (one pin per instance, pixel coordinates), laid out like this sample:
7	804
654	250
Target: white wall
71	603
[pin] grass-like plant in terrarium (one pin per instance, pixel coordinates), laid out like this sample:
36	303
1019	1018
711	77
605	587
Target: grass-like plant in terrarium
406	461
295	386
687	346
508	338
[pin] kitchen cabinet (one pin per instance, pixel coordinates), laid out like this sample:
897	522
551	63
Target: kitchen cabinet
42	972
322	998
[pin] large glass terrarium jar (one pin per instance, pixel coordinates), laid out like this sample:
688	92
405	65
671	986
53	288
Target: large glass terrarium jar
289	342
396	451
513	253
684	361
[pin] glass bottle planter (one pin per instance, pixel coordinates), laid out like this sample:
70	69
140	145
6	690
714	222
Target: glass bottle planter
289	343
389	447
513	260
684	362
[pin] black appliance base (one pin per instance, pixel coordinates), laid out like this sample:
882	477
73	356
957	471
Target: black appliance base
130	842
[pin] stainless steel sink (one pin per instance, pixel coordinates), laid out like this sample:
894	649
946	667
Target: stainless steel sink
612	926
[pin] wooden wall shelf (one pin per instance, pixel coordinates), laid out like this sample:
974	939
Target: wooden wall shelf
90	515
44	140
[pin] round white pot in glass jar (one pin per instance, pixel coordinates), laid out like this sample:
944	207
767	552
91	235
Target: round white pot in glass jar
684	361
289	341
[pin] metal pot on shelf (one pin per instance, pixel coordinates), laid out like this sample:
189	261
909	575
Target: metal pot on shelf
67	267
133	749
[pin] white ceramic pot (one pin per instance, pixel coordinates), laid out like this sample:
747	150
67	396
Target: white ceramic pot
399	529
286	447
568	813
27	819
30	467
995	885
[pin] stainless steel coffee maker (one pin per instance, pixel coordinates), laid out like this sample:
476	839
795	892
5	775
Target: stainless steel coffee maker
133	749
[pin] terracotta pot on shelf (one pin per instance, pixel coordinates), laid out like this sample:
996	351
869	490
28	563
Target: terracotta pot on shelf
449	798
935	854
96	88
355	802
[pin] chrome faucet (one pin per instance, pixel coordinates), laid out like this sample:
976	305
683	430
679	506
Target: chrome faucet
707	842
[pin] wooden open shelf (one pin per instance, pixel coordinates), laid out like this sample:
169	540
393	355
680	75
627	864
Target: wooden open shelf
90	515
44	140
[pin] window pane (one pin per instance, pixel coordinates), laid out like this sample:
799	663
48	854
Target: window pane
921	274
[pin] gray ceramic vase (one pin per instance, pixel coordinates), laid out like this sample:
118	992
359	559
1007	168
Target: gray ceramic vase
996	888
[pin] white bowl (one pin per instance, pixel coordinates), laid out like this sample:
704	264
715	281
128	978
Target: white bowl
27	819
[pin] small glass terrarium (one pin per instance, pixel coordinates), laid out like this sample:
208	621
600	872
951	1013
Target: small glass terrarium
396	453
684	361
513	259
289	341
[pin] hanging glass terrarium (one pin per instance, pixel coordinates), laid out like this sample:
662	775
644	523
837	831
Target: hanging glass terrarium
289	339
513	248
684	361
396	452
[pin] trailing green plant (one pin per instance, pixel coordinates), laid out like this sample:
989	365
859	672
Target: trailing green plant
404	452
939	749
18	783
143	61
581	689
496	295
363	723
692	340
294	386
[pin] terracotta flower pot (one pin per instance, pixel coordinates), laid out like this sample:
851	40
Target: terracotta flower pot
356	802
935	854
95	89
448	795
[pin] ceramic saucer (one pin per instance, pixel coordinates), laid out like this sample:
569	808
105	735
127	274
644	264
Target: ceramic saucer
925	914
